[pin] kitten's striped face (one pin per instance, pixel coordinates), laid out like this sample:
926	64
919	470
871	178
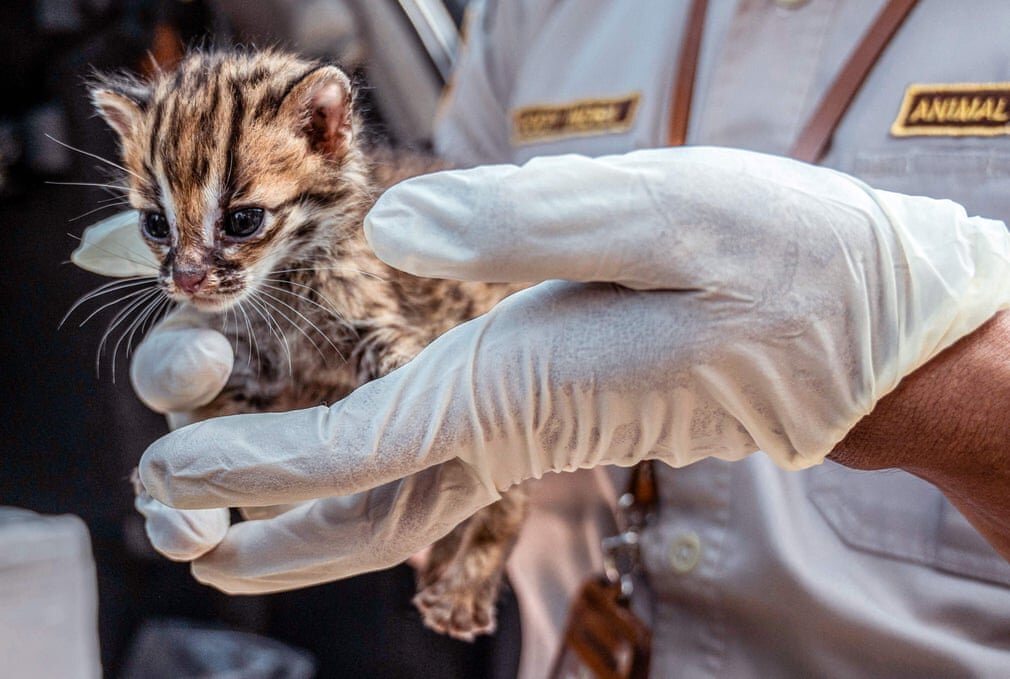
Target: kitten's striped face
240	165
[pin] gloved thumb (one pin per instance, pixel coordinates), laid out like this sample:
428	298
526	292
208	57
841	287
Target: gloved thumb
181	369
179	534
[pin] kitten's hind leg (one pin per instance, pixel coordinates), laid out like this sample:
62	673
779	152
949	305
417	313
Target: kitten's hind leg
460	596
458	587
440	556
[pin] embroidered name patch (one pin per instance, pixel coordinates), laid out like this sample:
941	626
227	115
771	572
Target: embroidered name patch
577	118
954	110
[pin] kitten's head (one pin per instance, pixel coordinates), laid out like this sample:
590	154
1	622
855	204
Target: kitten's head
241	164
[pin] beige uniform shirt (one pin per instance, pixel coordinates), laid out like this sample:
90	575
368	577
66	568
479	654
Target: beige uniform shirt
753	571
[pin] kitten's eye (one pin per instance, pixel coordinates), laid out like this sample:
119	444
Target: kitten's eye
154	225
243	223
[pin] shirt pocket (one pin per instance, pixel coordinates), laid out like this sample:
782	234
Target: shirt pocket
898	516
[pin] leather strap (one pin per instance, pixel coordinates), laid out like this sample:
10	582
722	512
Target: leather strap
816	134
687	67
641	497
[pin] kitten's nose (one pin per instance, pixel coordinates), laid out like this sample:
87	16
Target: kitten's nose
189	280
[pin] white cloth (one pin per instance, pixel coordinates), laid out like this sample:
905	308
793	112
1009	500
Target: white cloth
48	597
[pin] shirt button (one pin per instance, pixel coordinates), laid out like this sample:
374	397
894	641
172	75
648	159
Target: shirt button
685	552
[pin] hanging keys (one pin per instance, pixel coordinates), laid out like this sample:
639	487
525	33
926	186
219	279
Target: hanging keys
604	639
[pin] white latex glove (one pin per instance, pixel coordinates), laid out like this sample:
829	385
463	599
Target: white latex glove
726	302
178	367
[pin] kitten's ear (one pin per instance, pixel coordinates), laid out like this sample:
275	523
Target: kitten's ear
320	105
121	101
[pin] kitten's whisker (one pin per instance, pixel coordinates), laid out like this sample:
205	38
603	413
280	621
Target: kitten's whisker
152	62
226	327
165	307
120	255
121	315
330	310
112	198
98	209
311	324
149	304
95	156
234	326
149	313
268	318
114	302
335	267
284	281
168	308
113	286
251	335
292	323
104	287
139	298
112	187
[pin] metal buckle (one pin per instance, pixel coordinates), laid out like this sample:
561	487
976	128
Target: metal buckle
620	560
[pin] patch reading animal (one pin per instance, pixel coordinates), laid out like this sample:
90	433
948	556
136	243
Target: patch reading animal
954	110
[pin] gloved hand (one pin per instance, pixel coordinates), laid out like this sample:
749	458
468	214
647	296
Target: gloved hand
718	302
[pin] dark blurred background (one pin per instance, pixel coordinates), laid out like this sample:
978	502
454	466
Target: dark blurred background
71	436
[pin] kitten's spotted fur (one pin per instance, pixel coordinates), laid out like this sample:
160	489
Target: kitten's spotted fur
252	186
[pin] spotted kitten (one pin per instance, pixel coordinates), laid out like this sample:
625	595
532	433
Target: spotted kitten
251	184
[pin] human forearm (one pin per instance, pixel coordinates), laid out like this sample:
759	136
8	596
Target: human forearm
949	423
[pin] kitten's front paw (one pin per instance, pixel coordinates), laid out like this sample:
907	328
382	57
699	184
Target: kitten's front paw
459	611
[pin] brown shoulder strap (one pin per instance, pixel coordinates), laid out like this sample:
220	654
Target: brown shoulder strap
687	66
642	495
814	138
816	134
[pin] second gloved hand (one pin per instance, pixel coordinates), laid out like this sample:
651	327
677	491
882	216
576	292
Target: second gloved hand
715	303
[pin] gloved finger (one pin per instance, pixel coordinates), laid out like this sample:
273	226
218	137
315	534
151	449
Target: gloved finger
181	534
333	538
264	459
268	512
178	369
687	218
